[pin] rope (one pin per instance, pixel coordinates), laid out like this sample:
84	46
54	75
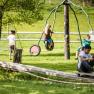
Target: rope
18	37
77	23
57	81
54	19
84	13
15	30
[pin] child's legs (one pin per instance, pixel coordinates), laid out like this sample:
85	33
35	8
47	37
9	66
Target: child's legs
11	51
50	40
85	67
91	63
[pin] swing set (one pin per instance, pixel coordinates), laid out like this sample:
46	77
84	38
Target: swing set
36	49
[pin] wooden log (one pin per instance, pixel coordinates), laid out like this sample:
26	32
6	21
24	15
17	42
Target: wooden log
33	69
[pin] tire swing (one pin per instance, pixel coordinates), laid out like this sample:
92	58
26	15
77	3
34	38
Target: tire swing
35	50
49	44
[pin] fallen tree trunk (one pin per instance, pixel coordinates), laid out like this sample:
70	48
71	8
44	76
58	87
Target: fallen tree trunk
32	69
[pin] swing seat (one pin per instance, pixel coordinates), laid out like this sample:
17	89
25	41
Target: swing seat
35	50
49	44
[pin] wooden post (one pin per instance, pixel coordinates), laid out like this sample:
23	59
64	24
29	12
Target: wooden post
17	56
66	30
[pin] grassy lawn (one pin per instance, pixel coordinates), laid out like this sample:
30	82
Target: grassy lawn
42	87
47	59
59	24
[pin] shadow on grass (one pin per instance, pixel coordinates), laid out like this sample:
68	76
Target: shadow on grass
4	55
55	54
51	54
70	67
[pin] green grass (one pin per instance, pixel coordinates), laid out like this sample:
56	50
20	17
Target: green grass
59	25
59	22
40	87
47	59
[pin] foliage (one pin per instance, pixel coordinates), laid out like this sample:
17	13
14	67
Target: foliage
87	2
27	11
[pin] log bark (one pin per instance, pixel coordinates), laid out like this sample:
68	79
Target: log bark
32	69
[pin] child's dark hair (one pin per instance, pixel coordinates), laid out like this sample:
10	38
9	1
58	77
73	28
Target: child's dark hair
87	47
13	32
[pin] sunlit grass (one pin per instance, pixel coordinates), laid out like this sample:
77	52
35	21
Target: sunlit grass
47	59
59	23
42	87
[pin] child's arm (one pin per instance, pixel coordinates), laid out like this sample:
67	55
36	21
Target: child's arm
85	59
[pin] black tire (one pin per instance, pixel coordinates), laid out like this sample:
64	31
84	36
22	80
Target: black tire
49	46
36	53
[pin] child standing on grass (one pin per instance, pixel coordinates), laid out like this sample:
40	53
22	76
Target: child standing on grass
12	43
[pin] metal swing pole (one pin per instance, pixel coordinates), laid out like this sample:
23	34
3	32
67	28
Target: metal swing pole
66	31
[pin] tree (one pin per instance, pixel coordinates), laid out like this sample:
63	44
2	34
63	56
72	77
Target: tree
2	8
87	2
26	10
50	1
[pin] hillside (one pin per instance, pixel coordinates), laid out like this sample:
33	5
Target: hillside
59	25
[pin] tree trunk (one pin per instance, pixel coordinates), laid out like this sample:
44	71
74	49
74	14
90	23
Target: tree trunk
1	16
17	56
32	69
84	3
87	3
66	31
50	1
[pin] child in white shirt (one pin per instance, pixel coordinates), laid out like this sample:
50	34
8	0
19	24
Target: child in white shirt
85	60
12	43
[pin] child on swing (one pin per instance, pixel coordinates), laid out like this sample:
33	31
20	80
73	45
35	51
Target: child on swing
12	43
47	34
86	41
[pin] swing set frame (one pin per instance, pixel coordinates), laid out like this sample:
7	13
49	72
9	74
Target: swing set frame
54	10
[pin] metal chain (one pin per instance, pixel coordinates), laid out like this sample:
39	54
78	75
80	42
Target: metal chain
77	24
54	10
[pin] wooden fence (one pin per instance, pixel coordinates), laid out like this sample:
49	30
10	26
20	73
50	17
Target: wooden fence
5	34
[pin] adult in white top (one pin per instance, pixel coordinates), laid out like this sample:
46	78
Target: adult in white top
85	60
12	42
